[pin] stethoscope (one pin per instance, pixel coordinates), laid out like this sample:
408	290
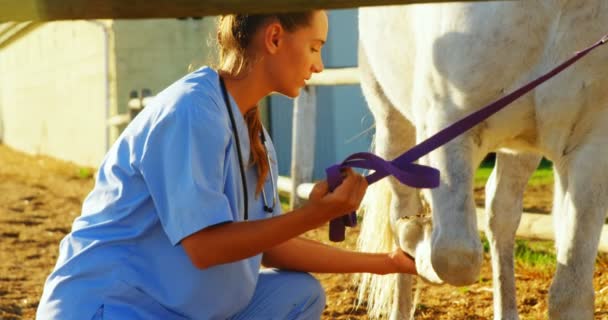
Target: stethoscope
267	208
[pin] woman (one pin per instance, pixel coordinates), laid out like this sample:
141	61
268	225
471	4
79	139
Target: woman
166	234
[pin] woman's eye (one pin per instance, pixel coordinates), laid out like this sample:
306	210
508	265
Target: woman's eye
314	50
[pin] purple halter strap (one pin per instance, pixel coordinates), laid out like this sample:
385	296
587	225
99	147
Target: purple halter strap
414	175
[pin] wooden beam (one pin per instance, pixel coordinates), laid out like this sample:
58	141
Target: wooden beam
335	77
47	10
13	32
539	227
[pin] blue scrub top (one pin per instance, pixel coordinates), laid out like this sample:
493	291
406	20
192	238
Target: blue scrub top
172	172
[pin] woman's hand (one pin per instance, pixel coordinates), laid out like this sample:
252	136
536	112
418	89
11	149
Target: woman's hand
319	190
345	198
402	262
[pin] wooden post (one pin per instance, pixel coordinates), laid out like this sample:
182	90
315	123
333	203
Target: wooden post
137	101
303	141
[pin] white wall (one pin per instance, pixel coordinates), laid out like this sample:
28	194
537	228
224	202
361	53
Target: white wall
53	92
60	82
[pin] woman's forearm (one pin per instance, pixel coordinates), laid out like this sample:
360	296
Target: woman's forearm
239	240
301	254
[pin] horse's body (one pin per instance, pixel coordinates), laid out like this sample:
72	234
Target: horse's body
426	66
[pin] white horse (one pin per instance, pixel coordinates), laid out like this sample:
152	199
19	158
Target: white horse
426	66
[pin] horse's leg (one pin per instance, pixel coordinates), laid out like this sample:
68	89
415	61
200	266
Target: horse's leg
582	177
403	303
504	194
398	136
404	202
394	135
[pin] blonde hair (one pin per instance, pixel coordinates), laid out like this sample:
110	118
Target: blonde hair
234	34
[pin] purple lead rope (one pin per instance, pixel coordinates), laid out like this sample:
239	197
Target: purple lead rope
419	176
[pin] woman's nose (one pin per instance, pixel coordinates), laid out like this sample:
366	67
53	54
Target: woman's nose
317	67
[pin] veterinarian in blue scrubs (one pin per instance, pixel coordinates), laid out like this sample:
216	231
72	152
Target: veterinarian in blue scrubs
185	207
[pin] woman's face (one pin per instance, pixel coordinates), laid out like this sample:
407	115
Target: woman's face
298	55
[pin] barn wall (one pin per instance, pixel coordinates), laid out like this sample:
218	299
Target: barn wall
53	92
61	82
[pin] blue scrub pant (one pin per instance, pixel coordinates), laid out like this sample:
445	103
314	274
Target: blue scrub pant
285	295
281	295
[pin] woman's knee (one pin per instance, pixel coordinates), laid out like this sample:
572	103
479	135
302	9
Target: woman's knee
295	295
313	286
312	292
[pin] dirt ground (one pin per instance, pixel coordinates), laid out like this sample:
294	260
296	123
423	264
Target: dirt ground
41	196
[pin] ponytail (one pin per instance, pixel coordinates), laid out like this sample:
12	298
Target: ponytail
258	151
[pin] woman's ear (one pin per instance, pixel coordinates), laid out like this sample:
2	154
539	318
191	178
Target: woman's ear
273	36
